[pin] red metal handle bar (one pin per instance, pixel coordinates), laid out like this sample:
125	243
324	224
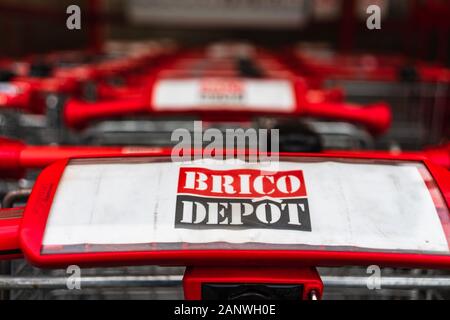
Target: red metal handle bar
439	155
376	118
15	156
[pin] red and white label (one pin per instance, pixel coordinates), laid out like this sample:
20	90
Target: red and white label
242	183
243	198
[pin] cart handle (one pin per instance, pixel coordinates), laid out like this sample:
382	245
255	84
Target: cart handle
376	118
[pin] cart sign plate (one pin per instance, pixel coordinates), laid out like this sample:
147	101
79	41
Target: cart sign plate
228	14
224	94
303	204
8	89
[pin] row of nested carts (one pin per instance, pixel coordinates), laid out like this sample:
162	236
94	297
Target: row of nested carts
72	103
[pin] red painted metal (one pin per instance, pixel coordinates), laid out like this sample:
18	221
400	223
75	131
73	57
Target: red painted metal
16	157
38	206
10	220
438	155
376	117
195	277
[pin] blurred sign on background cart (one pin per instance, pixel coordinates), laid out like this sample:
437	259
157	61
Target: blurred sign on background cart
236	13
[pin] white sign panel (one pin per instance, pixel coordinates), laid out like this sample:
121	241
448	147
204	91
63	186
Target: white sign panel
303	204
225	13
8	89
224	94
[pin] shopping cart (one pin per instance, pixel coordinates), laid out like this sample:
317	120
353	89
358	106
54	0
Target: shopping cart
418	92
225	264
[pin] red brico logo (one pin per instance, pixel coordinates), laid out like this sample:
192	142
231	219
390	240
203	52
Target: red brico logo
222	90
243	198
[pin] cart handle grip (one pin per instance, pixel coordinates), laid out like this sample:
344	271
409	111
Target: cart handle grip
376	117
77	112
